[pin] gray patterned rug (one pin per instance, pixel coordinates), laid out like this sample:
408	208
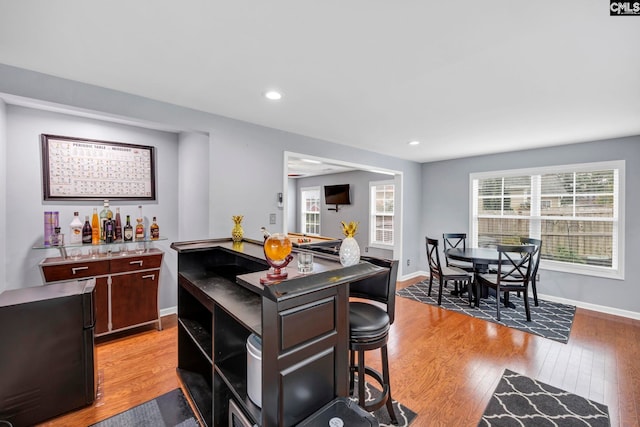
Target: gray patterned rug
549	320
169	410
404	415
522	401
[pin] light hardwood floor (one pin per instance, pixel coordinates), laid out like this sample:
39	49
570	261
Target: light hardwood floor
444	365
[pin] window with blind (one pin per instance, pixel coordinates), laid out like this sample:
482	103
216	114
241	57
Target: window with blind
576	210
382	197
310	210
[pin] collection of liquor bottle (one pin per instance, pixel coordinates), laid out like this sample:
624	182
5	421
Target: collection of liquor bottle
101	228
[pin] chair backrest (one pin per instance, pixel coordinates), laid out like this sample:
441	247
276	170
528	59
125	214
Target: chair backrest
380	288
536	255
515	264
433	257
453	240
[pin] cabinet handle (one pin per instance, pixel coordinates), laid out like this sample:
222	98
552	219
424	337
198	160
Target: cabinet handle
149	276
139	262
74	270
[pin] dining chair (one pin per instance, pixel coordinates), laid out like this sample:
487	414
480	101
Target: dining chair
515	264
370	318
444	274
536	263
452	241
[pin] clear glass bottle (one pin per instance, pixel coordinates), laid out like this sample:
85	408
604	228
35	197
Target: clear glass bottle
128	230
103	219
140	225
95	228
154	230
75	230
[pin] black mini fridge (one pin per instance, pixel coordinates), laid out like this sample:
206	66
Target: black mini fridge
47	352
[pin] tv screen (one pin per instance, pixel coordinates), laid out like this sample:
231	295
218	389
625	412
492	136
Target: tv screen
337	194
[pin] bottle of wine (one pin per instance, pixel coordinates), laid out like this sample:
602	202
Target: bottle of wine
140	225
109	229
128	230
118	225
154	230
86	231
75	230
95	228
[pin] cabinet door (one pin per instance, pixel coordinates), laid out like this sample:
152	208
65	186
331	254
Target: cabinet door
134	298
102	305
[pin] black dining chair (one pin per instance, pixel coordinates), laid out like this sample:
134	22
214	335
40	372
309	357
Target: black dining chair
453	241
513	274
369	324
444	274
536	263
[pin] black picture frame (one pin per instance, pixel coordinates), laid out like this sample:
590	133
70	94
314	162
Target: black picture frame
90	169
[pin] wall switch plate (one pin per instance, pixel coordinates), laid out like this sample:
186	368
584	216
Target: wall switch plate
408	262
272	218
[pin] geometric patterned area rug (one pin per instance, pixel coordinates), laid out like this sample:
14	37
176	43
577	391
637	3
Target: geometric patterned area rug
169	410
522	401
404	415
549	320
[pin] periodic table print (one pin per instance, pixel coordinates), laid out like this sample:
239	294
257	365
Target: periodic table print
85	169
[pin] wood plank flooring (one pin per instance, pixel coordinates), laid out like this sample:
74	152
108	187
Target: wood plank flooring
444	365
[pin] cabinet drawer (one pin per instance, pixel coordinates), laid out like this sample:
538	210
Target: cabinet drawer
76	270
120	265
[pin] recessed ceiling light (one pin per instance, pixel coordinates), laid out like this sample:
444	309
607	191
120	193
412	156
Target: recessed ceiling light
273	95
414	142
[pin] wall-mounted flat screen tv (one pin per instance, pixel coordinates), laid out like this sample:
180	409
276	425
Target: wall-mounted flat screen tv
337	194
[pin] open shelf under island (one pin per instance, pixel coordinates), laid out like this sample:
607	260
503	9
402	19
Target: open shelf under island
302	323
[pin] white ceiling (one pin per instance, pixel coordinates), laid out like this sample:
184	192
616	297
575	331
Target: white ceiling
464	77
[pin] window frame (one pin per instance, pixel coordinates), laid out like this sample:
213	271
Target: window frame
373	214
535	218
303	211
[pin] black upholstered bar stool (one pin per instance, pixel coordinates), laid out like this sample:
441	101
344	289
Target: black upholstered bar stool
369	326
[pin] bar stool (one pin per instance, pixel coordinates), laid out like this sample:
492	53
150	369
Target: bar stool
369	326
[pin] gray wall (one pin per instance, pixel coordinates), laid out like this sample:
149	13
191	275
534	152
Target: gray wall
358	210
3	194
446	209
243	174
24	202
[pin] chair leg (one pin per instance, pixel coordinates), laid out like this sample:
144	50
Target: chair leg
352	364
430	282
526	306
469	291
361	379
440	293
385	376
498	302
535	291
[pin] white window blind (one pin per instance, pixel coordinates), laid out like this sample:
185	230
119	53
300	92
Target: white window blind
573	209
310	210
382	210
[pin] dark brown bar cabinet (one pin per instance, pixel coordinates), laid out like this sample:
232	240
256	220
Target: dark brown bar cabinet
302	323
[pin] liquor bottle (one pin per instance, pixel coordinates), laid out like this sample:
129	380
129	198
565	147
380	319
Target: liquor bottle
56	237
140	225
118	225
128	230
109	228
154	230
103	219
95	228
86	231
75	230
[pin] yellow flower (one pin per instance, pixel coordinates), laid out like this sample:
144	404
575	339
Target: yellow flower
350	229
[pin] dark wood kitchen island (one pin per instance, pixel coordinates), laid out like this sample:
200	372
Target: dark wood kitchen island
302	323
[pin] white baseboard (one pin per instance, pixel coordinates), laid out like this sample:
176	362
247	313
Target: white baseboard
168	311
587	306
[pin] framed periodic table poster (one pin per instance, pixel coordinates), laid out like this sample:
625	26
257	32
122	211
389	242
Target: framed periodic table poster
88	169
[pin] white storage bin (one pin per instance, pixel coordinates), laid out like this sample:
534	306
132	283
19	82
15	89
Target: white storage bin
254	369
